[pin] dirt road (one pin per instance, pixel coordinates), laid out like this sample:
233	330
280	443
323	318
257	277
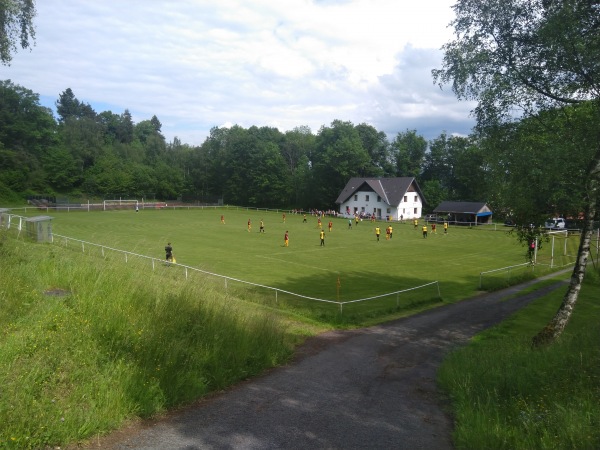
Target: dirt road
372	388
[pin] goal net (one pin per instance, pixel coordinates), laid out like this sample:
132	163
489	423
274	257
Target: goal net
120	204
563	247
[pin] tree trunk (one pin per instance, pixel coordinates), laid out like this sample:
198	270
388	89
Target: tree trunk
556	326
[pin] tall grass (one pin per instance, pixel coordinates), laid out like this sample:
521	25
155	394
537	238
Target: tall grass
86	345
506	395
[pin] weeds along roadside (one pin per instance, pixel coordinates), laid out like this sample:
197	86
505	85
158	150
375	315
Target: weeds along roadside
87	343
504	394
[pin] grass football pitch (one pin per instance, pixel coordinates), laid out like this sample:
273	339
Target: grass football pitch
364	266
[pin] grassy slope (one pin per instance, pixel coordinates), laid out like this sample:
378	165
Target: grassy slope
122	343
506	395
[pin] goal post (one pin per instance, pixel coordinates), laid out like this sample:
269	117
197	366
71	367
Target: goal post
555	238
119	204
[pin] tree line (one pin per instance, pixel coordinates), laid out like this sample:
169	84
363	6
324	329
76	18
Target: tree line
525	169
83	153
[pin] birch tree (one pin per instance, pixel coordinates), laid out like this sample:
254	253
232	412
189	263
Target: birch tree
16	26
517	58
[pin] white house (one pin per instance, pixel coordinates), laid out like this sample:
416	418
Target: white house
393	198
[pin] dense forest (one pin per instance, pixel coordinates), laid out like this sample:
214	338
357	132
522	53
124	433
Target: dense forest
84	154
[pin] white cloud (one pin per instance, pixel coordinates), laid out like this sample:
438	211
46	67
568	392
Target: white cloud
196	64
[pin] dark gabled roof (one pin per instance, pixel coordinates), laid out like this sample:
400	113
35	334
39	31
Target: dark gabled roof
391	190
462	207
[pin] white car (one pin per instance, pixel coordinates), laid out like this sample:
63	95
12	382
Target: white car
558	223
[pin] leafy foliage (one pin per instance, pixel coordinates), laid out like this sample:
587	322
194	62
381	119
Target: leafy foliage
16	26
533	55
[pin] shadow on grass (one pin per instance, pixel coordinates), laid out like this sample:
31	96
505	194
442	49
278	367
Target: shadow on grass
357	300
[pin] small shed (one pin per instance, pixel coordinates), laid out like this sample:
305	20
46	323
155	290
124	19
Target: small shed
473	213
4	217
39	228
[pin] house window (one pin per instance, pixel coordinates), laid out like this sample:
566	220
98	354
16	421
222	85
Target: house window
416	199
356	198
405	199
415	211
378	199
389	210
366	198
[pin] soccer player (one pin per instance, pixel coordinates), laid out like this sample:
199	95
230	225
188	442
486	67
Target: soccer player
424	228
322	236
433	230
222	218
377	233
445	227
304	220
391	231
169	252
249	225
283	217
262	227
416	222
349	224
330	225
319	223
286	239
387	233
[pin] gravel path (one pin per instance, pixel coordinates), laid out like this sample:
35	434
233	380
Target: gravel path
372	388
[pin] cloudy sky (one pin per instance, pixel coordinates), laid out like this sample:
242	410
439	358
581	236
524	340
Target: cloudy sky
196	64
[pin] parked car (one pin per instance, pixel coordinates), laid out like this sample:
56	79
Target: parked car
431	217
557	223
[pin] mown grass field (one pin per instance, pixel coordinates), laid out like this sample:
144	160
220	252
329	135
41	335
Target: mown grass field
364	266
